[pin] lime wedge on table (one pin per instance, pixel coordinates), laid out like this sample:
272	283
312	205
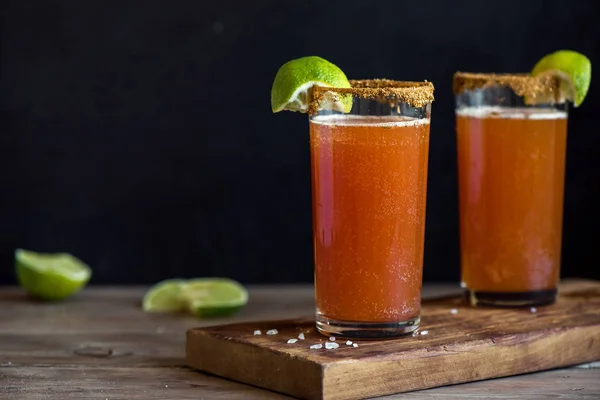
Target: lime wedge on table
573	69
214	297
165	296
295	79
50	276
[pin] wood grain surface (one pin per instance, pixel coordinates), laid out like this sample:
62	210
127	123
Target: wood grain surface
100	345
471	344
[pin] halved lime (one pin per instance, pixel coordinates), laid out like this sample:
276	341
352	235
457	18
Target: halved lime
295	79
574	71
165	296
214	297
50	276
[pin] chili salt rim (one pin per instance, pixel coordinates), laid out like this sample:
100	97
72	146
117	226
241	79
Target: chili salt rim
416	94
522	84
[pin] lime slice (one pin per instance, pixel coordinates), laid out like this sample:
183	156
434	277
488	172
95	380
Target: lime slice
573	69
165	296
214	297
292	87
53	276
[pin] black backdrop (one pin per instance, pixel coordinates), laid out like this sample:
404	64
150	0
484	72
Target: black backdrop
138	135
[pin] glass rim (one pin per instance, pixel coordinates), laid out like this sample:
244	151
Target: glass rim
416	93
522	84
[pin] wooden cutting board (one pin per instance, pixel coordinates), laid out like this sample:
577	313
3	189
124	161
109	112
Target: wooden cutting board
460	346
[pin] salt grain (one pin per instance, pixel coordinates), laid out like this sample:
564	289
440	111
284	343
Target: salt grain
292	341
301	336
533	309
354	344
424	332
332	339
454	311
331	345
272	332
257	332
316	346
349	343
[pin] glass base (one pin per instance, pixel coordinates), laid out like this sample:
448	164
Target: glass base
511	299
366	330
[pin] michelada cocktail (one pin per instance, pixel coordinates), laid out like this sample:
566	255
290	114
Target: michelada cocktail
511	140
369	144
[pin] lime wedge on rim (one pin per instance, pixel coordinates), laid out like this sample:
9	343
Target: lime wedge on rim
292	87
165	296
574	71
214	297
50	276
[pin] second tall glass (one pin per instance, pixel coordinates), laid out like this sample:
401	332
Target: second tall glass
511	137
369	178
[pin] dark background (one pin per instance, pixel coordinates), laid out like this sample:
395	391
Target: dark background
138	135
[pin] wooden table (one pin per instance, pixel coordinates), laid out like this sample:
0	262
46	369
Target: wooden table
100	345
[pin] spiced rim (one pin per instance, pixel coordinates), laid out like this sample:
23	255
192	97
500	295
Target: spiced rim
375	87
417	93
522	84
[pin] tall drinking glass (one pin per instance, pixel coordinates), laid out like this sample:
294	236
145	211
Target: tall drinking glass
369	181
511	139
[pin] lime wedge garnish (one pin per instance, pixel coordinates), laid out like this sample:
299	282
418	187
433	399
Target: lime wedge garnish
203	297
165	296
295	79
214	297
54	276
573	69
